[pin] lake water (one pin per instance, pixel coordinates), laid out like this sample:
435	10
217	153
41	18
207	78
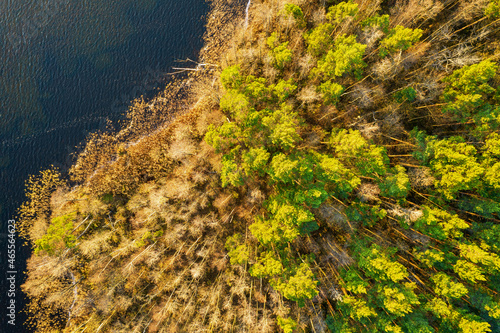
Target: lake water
65	67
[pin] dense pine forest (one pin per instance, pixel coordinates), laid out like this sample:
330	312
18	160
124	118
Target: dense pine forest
328	167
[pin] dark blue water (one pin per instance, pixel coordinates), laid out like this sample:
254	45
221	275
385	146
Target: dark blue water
65	67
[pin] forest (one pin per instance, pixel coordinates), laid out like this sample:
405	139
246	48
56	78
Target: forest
330	167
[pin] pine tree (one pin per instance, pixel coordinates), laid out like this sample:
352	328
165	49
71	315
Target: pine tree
399	39
346	57
341	11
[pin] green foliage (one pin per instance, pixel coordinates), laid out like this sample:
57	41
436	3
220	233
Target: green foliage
148	238
491	237
256	88
491	160
469	96
231	173
284	225
416	323
235	104
337	177
429	257
287	324
357	308
282	125
59	235
280	52
297	13
453	163
441	309
492	10
366	214
407	94
319	39
467	87
346	57
231	77
396	185
382	22
399	39
477	255
331	92
398	299
353	149
353	282
446	287
223	137
283	89
440	224
473	326
267	266
378	265
468	271
282	168
341	11
255	159
238	252
300	285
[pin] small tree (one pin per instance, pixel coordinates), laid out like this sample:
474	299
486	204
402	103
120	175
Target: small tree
331	92
237	251
446	287
341	11
280	52
297	13
319	39
231	77
399	39
59	235
467	92
300	285
440	224
282	125
382	22
287	324
255	159
396	185
347	57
